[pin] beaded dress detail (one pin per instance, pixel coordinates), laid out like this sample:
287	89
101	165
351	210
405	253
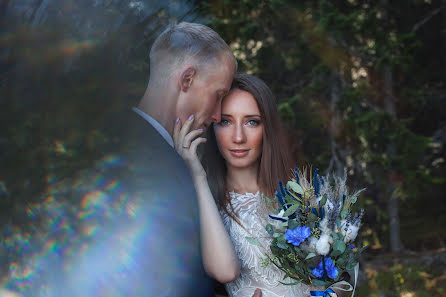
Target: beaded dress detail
252	214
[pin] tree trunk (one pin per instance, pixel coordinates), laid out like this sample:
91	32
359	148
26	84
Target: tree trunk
393	202
389	107
337	162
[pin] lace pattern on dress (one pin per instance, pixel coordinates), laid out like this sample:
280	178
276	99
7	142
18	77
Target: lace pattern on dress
251	212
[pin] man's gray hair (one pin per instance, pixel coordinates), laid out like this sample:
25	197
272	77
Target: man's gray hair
183	41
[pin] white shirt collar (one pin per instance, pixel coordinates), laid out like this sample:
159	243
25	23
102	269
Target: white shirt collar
158	127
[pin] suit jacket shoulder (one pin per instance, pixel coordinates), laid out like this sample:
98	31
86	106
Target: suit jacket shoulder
159	231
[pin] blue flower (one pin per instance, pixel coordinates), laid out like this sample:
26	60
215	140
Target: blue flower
297	235
318	271
331	269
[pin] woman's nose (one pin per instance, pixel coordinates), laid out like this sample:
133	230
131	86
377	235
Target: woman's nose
238	135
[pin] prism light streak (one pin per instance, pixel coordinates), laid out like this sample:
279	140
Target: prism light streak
91	238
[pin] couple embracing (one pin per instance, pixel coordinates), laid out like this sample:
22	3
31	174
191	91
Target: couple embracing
196	212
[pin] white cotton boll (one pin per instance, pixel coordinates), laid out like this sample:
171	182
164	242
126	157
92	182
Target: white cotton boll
312	242
309	245
323	226
323	244
350	232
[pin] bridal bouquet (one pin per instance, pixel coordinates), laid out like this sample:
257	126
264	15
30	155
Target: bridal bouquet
315	230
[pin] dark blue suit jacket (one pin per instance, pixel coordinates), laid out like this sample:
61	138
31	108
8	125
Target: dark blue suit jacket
168	258
148	241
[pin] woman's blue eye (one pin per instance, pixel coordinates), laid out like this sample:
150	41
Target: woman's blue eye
253	122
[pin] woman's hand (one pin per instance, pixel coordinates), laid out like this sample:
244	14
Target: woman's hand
219	258
186	143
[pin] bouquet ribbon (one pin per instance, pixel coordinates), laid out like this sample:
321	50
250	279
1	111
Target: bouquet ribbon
326	293
343	286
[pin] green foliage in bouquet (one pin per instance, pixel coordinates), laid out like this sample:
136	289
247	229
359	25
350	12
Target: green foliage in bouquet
314	231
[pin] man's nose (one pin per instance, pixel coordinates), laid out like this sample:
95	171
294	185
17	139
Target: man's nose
238	134
216	116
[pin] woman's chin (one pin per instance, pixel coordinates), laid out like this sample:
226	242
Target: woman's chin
240	163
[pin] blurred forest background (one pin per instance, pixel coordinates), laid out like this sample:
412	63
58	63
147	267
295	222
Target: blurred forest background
361	84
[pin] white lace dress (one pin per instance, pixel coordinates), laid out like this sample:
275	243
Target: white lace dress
252	215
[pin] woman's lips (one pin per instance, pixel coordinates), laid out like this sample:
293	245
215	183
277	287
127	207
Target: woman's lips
239	153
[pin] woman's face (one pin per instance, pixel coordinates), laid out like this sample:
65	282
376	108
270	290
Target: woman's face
240	133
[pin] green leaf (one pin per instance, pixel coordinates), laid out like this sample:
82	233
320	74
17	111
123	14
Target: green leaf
276	250
292	224
283	246
312	217
338	248
299	269
295	187
337	236
276	235
268	201
291	284
339	245
338	223
253	241
344	213
299	252
295	196
341	262
269	228
335	253
323	200
291	210
353	201
281	238
310	255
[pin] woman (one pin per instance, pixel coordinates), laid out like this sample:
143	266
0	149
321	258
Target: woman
245	156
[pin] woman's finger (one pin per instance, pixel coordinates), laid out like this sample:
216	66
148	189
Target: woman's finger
191	136
186	128
195	143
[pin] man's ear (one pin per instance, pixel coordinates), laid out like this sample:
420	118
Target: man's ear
187	78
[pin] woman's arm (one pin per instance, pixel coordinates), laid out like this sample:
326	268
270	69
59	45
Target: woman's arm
219	257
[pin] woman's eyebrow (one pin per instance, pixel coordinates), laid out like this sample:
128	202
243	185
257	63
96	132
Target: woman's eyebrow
246	116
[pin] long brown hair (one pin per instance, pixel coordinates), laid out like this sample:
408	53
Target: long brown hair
275	161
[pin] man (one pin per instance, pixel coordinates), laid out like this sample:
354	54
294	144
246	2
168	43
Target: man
191	70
